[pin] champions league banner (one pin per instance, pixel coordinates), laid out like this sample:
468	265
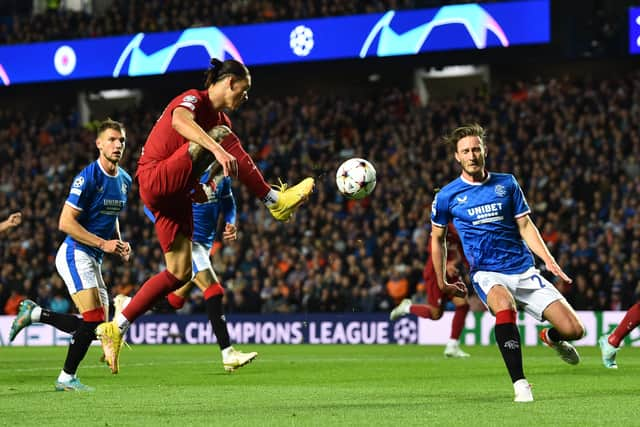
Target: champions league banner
353	328
409	32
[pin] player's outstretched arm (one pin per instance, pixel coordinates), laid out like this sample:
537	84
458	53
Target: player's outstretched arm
12	221
531	236
68	224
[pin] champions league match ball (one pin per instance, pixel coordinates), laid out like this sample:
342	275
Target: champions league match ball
356	178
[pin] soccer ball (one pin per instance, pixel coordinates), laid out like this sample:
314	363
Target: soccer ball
356	178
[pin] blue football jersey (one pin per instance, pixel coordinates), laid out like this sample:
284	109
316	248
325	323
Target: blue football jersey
205	215
485	216
100	198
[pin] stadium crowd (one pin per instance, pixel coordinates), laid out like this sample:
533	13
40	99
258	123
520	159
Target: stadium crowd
572	144
130	17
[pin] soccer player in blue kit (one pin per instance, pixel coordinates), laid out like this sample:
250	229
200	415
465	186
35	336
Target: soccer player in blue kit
220	201
491	215
89	217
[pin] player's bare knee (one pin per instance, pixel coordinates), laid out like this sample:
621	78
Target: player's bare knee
577	331
499	299
218	133
195	150
436	314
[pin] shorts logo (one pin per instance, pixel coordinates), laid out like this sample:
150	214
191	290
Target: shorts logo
79	182
500	190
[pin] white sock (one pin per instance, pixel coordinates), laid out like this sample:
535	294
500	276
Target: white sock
453	342
64	377
225	352
123	323
35	314
271	198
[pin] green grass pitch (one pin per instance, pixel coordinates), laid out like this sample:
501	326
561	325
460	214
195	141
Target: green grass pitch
182	385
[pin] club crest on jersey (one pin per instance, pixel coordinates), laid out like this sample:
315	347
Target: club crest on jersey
500	190
79	181
123	189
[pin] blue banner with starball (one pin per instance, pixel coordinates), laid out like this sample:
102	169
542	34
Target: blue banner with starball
634	30
393	33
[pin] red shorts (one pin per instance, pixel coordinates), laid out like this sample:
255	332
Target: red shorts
165	188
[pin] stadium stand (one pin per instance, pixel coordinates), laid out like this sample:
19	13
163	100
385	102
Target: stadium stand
571	142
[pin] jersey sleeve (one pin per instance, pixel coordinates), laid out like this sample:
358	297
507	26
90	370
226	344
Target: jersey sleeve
79	194
191	100
520	205
440	210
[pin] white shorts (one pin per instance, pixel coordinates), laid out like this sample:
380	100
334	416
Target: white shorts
200	257
78	270
531	291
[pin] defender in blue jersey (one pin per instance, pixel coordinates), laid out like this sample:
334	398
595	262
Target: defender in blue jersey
90	219
220	202
491	215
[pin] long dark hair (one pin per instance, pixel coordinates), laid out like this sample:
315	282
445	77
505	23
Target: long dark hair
220	70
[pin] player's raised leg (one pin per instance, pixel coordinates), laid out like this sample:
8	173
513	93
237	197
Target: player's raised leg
281	200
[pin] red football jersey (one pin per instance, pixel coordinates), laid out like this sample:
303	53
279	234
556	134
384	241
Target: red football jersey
164	140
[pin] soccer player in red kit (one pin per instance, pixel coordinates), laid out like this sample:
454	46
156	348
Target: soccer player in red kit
609	345
437	299
192	132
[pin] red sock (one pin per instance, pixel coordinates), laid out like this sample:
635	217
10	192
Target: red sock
421	310
248	172
457	324
214	290
628	324
505	316
175	300
152	290
95	315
